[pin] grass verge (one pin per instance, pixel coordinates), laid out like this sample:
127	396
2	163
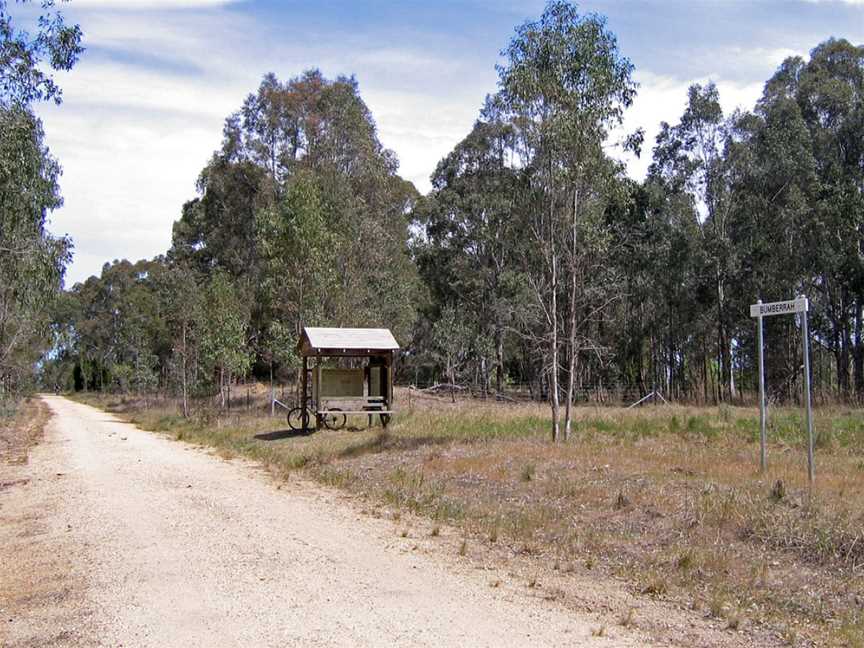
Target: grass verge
21	427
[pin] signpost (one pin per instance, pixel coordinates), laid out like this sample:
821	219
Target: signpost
760	310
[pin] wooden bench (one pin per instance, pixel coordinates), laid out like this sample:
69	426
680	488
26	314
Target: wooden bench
373	405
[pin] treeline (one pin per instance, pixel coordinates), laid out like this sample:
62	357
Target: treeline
301	219
533	260
32	262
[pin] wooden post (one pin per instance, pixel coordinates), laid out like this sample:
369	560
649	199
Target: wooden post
304	389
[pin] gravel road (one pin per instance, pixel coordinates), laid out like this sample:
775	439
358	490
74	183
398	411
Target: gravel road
126	538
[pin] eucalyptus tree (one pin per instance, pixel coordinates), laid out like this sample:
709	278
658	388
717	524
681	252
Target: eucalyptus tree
772	177
178	291
813	114
565	86
830	93
32	262
689	158
295	245
303	208
25	56
224	318
471	222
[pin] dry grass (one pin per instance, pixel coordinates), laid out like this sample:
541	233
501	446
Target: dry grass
668	498
21	428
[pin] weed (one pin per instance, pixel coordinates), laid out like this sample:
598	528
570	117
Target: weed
463	548
527	473
532	582
599	632
734	621
717	606
790	636
436	531
699	425
626	619
656	585
685	561
404	533
621	502
555	594
495	583
493	534
778	491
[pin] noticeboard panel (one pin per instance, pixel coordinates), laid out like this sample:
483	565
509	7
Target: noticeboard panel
341	383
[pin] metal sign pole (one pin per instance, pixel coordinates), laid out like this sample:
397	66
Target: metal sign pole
759	310
811	468
763	435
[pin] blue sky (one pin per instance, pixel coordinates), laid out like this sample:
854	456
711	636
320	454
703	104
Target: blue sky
143	110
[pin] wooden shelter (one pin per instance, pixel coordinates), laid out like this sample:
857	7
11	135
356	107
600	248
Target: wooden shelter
369	388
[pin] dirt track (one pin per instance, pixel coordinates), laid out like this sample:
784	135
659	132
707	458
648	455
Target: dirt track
121	537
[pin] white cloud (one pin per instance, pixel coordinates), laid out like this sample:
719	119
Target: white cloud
132	143
422	129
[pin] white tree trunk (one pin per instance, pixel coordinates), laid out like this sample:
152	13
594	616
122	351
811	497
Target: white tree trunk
185	397
571	341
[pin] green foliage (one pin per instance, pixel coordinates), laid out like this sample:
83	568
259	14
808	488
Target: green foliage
32	261
224	316
23	56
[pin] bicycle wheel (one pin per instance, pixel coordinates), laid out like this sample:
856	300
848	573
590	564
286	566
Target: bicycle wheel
334	419
295	418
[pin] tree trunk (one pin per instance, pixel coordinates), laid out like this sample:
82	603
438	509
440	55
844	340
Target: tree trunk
185	398
499	360
571	342
222	386
858	352
553	369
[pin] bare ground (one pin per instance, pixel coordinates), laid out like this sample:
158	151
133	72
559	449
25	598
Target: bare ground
115	536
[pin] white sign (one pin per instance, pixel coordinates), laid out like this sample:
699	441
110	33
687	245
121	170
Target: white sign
779	308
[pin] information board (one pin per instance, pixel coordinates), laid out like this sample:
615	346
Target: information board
341	383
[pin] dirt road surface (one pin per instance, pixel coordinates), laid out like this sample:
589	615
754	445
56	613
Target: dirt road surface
114	536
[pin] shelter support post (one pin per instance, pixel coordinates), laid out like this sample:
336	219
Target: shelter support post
304	382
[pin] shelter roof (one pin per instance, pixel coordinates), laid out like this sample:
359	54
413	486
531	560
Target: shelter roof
346	341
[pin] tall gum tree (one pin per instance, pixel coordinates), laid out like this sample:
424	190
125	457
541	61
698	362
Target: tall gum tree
32	262
565	86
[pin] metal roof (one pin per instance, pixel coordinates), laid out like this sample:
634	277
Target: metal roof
346	339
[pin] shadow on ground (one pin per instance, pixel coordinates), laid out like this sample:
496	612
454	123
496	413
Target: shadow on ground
384	441
278	435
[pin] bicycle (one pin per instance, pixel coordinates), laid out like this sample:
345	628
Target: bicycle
332	418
